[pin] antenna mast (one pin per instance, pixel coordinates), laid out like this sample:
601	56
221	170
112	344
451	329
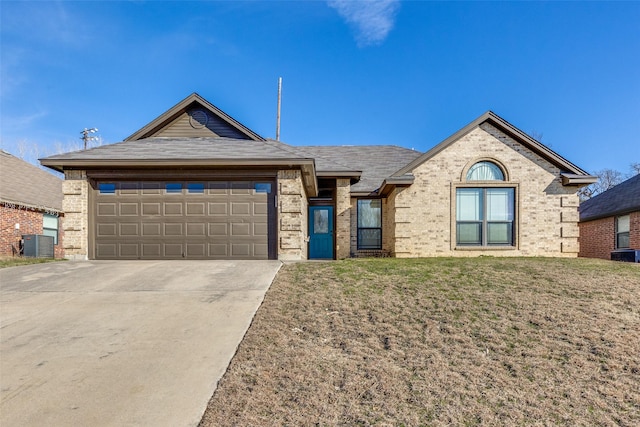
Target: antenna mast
279	103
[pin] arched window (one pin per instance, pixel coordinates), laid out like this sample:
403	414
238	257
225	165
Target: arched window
485	171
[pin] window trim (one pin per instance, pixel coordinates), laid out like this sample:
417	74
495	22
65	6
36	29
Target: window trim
465	170
619	233
516	215
358	228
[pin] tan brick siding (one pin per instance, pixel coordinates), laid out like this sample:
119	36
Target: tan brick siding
546	211
31	222
597	237
292	216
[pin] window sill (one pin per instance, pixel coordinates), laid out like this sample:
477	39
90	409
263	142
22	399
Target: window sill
485	248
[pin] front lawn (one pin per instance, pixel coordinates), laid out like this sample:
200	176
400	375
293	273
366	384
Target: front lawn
442	341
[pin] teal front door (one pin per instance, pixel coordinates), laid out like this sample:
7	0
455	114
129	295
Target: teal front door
321	232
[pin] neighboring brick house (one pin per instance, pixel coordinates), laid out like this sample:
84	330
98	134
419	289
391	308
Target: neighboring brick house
611	220
195	183
30	203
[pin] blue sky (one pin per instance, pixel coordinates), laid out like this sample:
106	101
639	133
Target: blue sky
354	72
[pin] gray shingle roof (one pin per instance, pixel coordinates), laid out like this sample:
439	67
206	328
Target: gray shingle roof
619	200
27	185
376	162
183	149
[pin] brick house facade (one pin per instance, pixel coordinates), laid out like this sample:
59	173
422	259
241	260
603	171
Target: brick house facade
30	203
195	183
602	215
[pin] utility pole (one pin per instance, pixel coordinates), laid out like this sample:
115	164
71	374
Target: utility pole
279	102
86	138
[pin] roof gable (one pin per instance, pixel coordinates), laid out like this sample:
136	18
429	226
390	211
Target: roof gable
571	171
194	116
619	200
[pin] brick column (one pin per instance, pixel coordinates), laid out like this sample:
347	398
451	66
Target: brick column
343	218
75	222
292	216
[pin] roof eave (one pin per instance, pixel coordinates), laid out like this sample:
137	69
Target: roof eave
392	182
569	179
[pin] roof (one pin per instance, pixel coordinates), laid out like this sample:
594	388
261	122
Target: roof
619	200
572	174
28	186
188	151
375	162
191	101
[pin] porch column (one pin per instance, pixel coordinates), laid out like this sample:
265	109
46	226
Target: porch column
343	218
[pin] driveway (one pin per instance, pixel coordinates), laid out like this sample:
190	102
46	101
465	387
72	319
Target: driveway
121	343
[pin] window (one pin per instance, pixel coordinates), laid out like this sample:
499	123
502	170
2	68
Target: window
195	188
484	216
485	171
262	187
173	188
107	188
369	224
622	232
50	226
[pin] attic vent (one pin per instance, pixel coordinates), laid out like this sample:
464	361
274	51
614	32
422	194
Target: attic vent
198	119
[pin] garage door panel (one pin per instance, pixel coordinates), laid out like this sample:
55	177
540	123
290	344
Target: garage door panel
198	220
173	209
194	209
128	209
172	250
196	229
107	230
150	209
173	229
106	250
151	250
107	209
218	208
128	250
151	229
128	229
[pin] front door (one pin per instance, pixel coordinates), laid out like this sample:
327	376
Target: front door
321	232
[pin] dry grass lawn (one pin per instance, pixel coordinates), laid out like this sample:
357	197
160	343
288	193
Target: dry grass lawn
479	341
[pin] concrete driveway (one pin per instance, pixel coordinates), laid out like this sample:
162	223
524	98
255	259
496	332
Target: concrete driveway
121	343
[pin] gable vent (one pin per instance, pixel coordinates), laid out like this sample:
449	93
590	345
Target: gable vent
198	118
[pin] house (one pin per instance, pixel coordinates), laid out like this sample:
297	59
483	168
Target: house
610	221
30	203
195	183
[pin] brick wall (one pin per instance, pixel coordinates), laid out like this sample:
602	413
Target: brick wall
30	221
546	211
292	216
597	237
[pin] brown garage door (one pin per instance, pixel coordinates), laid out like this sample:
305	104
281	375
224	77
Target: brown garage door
184	219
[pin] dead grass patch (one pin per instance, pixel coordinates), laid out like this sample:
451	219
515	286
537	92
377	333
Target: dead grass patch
480	341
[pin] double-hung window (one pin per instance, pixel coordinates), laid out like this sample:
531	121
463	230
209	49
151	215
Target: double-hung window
485	214
622	232
369	224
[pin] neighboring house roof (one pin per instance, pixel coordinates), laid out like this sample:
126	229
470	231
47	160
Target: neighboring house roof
571	174
619	200
216	121
26	185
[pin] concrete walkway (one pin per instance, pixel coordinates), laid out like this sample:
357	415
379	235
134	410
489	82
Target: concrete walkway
121	343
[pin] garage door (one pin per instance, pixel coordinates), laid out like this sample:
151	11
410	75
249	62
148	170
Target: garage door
183	219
